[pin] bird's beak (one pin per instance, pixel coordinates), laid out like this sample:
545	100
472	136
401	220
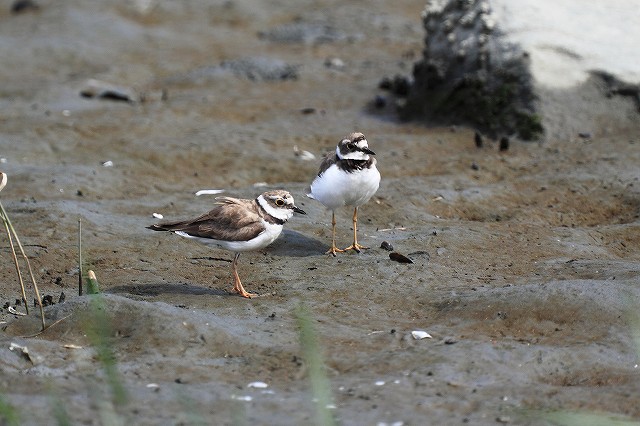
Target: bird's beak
298	210
367	151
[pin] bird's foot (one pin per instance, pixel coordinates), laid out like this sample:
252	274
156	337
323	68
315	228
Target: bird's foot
355	246
242	292
333	250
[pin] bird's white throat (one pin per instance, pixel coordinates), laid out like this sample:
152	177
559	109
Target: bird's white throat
355	155
284	213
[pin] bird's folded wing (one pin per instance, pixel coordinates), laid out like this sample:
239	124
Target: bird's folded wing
228	222
327	162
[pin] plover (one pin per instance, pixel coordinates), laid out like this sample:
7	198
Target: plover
238	225
348	177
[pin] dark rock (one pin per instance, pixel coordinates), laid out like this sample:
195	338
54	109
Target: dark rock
618	87
21	6
470	74
380	102
400	85
477	138
386	245
504	143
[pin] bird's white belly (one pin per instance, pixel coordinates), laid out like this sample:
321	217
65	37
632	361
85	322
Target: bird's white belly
336	188
269	235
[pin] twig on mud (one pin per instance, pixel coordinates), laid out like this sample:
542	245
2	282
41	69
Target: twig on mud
11	233
79	256
17	265
46	328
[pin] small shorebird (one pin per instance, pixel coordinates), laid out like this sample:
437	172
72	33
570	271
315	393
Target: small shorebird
238	225
348	177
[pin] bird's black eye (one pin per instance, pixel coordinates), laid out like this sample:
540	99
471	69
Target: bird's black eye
351	146
279	202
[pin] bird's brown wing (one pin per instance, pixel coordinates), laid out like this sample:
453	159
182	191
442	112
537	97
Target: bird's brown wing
232	220
328	160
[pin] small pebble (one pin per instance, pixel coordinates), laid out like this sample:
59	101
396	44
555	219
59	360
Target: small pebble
504	143
20	6
386	245
585	135
258	385
380	101
478	140
335	63
474	166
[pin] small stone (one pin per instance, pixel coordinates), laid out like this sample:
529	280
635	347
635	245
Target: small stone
380	101
474	166
504	143
478	140
386	245
21	6
334	63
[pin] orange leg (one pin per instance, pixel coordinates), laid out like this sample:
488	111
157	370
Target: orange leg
333	250
237	286
355	246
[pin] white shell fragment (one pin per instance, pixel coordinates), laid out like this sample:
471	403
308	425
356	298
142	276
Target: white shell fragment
13	311
13	346
419	335
71	346
107	163
209	192
153	385
246	398
258	385
101	89
157	215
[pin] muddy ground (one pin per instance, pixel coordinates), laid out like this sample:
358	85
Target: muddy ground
526	262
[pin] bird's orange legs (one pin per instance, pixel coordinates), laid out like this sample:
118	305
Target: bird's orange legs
237	285
355	246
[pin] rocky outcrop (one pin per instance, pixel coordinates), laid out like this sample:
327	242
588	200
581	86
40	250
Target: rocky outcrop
470	74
